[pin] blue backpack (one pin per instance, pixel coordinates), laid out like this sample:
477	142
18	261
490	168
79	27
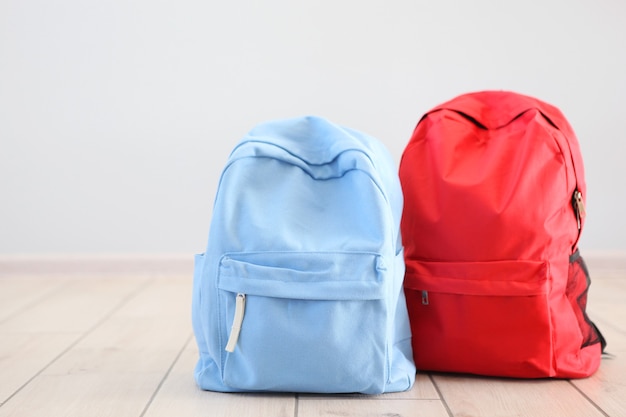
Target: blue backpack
300	287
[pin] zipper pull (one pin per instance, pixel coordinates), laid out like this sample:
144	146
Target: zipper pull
425	297
579	207
240	307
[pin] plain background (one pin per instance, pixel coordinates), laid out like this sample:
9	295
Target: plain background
116	117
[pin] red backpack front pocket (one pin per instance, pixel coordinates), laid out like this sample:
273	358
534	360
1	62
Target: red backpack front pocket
488	318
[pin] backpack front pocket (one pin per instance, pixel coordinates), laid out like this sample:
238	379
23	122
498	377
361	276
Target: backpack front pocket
489	318
303	322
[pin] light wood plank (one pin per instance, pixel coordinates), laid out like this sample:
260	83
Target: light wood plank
606	301
75	309
605	265
615	337
116	368
352	407
489	397
179	396
421	400
30	340
17	294
23	355
607	387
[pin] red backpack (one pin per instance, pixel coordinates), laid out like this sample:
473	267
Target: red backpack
494	194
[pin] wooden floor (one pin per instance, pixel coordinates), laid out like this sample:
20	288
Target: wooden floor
110	336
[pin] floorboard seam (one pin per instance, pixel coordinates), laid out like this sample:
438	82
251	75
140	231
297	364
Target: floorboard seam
104	318
586	397
36	301
167	374
440	394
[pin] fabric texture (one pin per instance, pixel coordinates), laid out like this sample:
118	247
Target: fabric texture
494	207
302	275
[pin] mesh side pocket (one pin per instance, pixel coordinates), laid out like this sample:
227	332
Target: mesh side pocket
578	282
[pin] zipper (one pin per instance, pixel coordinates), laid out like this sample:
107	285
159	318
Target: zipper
425	298
579	208
240	307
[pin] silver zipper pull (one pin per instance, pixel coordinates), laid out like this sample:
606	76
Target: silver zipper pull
425	297
579	207
240	308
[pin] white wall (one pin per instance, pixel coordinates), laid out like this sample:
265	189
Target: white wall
117	116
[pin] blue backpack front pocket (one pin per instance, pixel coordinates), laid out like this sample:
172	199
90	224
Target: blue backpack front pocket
309	322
